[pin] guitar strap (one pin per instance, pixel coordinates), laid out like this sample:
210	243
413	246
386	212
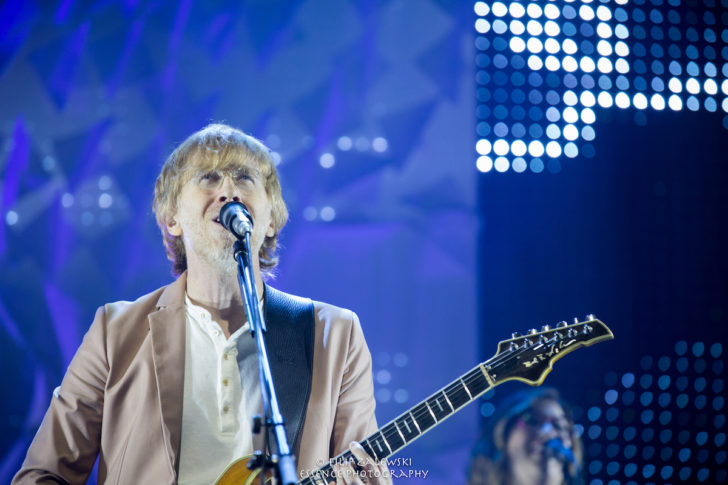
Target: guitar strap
289	342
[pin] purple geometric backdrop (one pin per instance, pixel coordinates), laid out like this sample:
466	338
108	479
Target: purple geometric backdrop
369	107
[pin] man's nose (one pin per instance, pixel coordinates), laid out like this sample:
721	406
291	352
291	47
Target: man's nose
228	190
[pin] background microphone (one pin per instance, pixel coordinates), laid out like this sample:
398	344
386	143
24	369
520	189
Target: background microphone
555	448
234	217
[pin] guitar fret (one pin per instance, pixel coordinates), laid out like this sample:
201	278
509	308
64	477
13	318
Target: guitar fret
430	409
415	422
385	442
470	396
448	401
390	431
404	441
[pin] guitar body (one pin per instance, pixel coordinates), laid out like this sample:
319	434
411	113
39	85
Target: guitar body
238	473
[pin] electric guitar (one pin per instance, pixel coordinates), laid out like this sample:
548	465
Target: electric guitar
527	358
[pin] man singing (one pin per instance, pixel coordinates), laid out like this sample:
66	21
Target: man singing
162	389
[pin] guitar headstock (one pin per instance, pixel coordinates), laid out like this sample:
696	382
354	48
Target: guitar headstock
530	357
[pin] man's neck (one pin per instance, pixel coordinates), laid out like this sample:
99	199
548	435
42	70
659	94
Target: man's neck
219	293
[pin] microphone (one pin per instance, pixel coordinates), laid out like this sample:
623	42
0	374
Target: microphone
234	217
555	448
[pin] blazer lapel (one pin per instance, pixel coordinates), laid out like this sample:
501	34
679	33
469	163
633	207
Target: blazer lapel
167	327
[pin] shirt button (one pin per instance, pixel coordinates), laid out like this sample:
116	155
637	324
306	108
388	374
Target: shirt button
225	356
225	382
225	409
216	332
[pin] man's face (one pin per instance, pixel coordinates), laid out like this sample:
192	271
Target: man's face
206	241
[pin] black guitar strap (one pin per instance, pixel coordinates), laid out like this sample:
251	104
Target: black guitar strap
289	342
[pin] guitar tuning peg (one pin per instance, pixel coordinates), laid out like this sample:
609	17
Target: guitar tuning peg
561	324
515	335
533	331
545	328
591	316
576	320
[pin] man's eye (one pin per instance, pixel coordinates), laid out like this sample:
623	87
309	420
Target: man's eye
210	176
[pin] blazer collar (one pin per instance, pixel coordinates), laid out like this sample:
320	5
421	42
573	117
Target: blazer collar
167	328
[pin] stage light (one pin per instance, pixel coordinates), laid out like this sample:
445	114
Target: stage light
692	103
517	27
724	105
483	146
657	102
604	30
569	46
484	163
534	28
621	66
519	165
588	133
553	131
710	104
534	10
692	86
586	12
482	9
588	116
710	87
571	133
517	44
553	114
604	65
675	102
587	64
499	9
675	85
569	64
621	49
570	115
551	11
551	28
501	164
518	148
724	86
535	148
603	13
499	27
516	10
605	100
534	45
552	63
604	48
500	147
621	32
482	26
587	99
622	100
552	46
553	149
535	62
570	98
639	101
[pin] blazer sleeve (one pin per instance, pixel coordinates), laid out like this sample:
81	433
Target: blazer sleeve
355	418
66	445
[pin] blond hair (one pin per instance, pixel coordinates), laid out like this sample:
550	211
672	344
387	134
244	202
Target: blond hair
216	147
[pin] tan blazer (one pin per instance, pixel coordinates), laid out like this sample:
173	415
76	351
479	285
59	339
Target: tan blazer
121	397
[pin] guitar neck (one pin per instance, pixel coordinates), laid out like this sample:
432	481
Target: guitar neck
527	358
419	419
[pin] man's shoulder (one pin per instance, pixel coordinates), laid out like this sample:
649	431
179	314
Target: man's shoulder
139	309
323	312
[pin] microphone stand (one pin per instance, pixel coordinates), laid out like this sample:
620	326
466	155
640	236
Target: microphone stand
282	461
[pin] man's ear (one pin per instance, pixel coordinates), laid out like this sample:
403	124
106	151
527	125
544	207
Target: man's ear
173	227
